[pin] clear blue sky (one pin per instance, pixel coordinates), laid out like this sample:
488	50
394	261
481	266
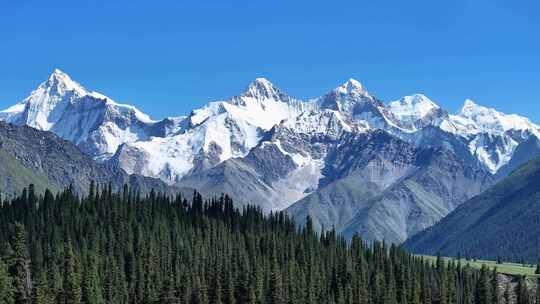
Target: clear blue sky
171	56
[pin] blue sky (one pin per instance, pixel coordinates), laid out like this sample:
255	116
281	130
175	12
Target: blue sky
171	56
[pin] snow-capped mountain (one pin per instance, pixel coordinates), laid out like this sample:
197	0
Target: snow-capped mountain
415	112
91	120
171	148
491	136
287	150
212	134
221	130
474	118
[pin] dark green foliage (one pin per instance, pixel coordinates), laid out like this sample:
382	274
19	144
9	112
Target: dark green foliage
123	248
20	269
522	292
495	293
483	295
42	292
71	285
6	288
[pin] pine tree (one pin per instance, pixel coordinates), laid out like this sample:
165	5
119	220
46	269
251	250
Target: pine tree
390	289
244	292
167	294
91	290
275	289
72	293
537	290
443	284
215	291
198	294
522	292
495	294
6	288
228	294
22	281
42	291
482	287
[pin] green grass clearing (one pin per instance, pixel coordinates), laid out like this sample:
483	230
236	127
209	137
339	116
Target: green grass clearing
506	268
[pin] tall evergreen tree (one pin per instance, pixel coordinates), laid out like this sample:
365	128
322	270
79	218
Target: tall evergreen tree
482	287
20	269
6	288
42	290
495	293
91	287
537	294
522	292
72	293
275	289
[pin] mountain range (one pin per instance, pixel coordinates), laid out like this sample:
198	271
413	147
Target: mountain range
347	159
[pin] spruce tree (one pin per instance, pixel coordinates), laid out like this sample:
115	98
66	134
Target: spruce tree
167	294
42	290
495	293
20	269
6	288
482	287
537	290
443	284
522	291
275	289
72	293
91	285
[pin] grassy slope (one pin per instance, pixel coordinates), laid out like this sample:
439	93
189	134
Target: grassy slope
502	221
506	268
15	177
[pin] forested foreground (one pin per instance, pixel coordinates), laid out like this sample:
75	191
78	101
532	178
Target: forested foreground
124	248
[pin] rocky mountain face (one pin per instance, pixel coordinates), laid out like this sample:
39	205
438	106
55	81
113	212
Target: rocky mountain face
44	159
386	170
384	188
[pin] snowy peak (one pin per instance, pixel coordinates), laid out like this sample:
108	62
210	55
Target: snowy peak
89	119
47	103
59	83
351	87
469	107
262	89
488	120
347	97
412	108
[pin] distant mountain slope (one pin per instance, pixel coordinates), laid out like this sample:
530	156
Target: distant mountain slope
14	177
32	156
503	221
385	188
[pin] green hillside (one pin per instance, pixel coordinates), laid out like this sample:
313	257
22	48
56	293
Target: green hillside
503	222
15	177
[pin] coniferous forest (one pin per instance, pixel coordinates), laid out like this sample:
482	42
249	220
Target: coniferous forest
121	247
